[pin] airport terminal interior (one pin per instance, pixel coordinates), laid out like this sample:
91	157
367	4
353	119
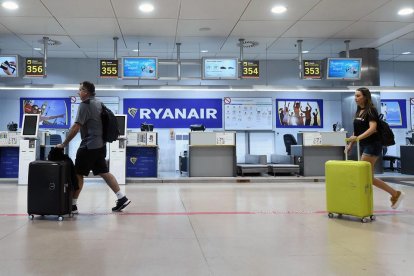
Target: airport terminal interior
230	114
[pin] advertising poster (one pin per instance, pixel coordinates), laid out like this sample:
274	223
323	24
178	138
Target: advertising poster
299	113
54	112
412	112
174	113
394	113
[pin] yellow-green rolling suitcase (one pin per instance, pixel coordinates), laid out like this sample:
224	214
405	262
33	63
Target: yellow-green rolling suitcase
349	188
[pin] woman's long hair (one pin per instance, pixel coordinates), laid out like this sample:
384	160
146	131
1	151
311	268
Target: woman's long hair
369	106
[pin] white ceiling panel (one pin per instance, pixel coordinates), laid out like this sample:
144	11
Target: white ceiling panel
318	29
270	56
261	9
90	26
4	30
267	28
343	9
80	8
212	9
218	27
163	9
32	25
148	27
32	8
370	29
404	58
66	43
86	27
389	12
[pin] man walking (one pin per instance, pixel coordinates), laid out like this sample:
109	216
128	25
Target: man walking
92	150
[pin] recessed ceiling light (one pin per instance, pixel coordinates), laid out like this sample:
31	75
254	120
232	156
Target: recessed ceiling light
406	53
146	7
37	49
305	52
136	50
204	51
10	5
279	9
406	11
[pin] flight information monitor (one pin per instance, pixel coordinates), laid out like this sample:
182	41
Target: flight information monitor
220	68
140	68
344	68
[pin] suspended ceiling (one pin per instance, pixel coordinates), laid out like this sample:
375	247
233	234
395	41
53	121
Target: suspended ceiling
85	28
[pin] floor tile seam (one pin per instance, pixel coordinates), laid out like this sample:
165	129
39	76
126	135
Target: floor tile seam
210	269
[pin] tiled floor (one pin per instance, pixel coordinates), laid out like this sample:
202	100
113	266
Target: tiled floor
206	229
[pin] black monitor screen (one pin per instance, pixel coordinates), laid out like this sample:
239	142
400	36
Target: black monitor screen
121	125
30	125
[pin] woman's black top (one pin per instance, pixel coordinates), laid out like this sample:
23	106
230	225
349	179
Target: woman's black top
361	124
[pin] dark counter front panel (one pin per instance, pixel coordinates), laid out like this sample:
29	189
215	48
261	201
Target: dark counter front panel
141	162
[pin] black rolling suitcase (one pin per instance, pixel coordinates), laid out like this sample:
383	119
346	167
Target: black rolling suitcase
49	191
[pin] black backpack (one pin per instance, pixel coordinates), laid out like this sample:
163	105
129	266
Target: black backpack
110	130
385	132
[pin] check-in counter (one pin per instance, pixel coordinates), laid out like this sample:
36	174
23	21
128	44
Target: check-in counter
407	159
315	148
142	154
212	154
9	154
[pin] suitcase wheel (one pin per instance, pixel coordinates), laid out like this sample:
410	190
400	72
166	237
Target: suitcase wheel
330	215
31	217
60	218
364	220
372	217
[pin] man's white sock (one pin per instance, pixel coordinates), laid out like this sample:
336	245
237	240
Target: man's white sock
74	201
120	194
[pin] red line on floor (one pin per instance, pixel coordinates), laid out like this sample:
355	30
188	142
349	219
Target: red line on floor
270	212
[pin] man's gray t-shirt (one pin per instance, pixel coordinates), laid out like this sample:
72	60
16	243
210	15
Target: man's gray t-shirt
89	117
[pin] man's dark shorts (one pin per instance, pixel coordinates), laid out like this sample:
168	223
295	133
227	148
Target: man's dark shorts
91	159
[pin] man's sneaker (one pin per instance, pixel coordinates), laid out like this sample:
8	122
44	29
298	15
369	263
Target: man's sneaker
75	210
121	204
396	200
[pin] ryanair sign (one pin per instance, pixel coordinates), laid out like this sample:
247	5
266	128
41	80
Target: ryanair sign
174	113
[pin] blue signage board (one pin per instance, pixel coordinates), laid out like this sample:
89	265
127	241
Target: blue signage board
141	162
174	113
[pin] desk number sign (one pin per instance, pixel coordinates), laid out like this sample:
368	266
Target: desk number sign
34	67
108	68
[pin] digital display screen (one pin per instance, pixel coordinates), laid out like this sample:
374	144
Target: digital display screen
34	67
108	68
250	69
30	125
220	68
9	66
344	68
140	68
312	69
121	124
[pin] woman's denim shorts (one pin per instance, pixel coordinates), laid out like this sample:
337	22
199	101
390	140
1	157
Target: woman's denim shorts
372	149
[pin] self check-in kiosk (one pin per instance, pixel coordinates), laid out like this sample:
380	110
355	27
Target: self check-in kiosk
29	147
117	151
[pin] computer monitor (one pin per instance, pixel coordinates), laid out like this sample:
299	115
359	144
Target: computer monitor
30	126
122	124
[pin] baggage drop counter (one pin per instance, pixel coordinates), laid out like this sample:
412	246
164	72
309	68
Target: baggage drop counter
315	148
212	154
142	155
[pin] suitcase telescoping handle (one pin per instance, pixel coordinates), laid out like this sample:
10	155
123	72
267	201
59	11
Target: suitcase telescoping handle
358	150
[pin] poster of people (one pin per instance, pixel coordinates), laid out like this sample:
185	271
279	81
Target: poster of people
299	113
54	112
394	113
